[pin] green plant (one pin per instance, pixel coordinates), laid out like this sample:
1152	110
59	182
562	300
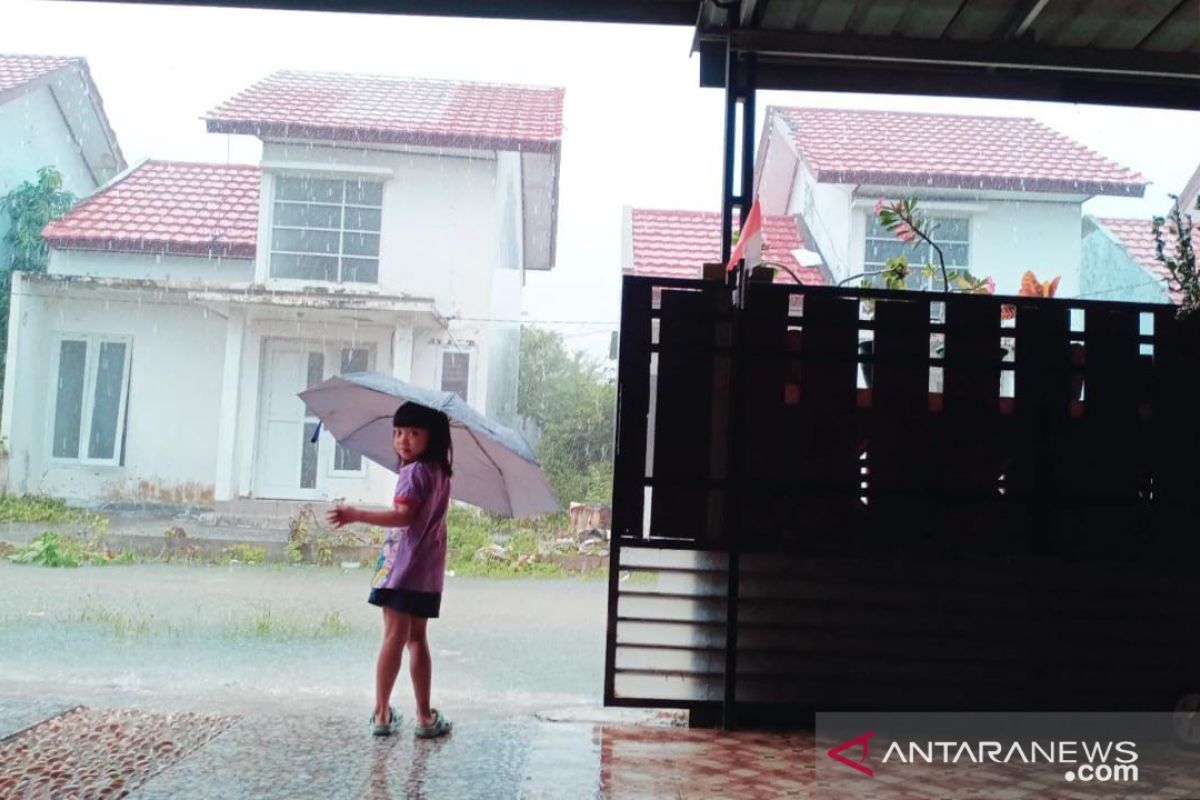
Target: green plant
308	539
243	553
48	550
1181	264
484	545
908	223
120	624
299	536
260	624
332	624
30	207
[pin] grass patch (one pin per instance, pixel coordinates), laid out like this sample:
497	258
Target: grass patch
39	508
121	624
264	623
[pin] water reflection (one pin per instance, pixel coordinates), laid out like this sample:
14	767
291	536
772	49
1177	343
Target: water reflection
391	778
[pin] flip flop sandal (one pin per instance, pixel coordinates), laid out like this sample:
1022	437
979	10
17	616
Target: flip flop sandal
391	727
440	727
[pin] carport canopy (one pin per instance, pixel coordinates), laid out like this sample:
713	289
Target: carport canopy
1117	52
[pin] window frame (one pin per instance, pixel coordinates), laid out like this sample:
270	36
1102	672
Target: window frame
284	281
935	216
93	343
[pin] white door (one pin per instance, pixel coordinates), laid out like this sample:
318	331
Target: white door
290	465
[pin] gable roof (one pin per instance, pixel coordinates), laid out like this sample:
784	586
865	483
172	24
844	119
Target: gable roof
169	207
18	71
392	110
1137	237
894	148
20	74
677	244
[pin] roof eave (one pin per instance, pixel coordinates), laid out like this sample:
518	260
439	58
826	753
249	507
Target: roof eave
265	129
948	180
232	250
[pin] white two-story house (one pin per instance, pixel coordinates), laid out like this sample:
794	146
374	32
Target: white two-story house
388	227
1005	192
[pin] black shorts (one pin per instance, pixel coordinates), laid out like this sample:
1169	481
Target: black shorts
419	604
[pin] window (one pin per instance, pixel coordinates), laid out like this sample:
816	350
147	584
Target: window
90	397
326	230
953	235
456	372
354	359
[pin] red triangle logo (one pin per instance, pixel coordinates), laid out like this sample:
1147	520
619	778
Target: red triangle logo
836	753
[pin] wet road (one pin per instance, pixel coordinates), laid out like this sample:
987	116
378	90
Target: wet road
299	638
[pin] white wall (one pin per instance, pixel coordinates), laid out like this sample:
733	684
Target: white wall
826	210
33	135
168	269
173	401
441	234
1012	237
502	357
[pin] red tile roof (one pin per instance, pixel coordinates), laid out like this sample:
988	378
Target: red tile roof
16	70
676	244
950	151
381	109
1137	237
168	207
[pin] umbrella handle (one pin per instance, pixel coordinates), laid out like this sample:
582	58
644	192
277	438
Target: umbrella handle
316	433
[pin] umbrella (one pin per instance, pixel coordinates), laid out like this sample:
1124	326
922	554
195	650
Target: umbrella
494	468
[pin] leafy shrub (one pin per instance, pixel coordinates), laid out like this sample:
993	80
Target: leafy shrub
48	550
246	553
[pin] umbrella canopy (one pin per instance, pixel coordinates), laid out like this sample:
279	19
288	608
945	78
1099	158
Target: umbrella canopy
494	468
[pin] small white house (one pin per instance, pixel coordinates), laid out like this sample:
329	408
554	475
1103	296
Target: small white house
388	227
1006	193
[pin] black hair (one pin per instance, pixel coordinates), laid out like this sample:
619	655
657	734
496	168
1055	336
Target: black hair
439	451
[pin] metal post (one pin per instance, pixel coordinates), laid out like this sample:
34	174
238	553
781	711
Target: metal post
739	88
727	189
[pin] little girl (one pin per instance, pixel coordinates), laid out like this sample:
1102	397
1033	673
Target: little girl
408	576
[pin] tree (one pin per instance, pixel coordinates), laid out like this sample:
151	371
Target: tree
573	404
30	207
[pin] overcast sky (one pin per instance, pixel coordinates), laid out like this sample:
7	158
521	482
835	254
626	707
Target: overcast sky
638	130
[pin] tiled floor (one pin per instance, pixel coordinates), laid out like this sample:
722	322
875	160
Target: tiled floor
94	753
83	752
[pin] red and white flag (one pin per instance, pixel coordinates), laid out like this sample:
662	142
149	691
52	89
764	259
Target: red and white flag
749	240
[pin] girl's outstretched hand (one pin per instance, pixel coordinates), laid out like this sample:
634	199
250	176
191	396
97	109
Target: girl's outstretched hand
341	515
